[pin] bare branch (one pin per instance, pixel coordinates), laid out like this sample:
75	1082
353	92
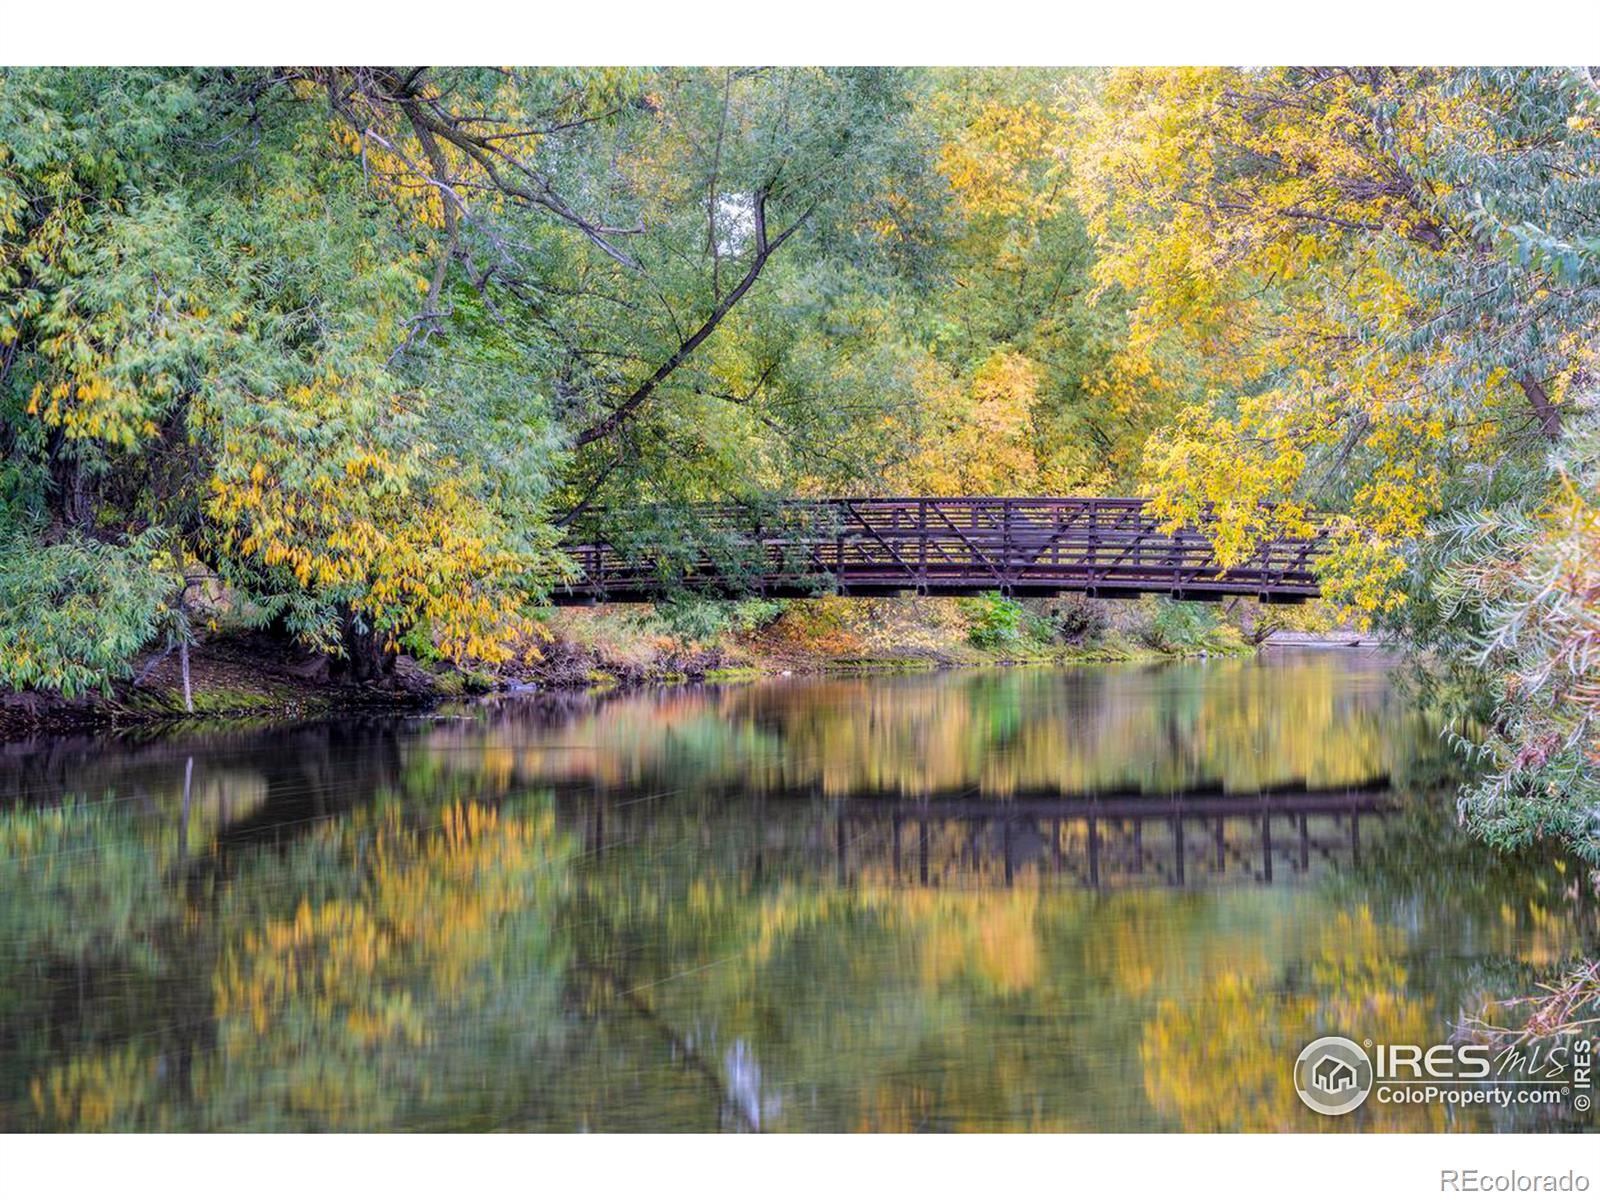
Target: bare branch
764	250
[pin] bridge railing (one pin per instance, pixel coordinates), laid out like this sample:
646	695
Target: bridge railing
873	545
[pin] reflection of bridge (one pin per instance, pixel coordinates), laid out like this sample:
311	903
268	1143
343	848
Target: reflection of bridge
963	839
865	547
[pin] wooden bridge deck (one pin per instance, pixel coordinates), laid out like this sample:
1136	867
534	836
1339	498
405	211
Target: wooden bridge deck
1019	546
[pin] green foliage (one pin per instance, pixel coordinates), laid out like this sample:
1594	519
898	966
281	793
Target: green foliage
748	616
1174	625
358	390
1508	609
205	309
789	388
995	621
1516	588
693	617
73	613
698	619
1017	261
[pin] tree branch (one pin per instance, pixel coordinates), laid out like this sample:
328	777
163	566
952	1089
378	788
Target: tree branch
764	250
1549	415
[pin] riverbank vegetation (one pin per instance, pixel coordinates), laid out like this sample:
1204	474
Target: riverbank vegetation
699	639
243	674
334	356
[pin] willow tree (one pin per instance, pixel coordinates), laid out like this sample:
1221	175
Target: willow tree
201	304
1372	290
335	338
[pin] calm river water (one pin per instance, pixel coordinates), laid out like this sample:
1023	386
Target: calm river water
1111	898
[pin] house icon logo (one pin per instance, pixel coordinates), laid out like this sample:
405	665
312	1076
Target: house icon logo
1333	1076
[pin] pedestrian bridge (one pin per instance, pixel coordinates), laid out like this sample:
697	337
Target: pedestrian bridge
1019	546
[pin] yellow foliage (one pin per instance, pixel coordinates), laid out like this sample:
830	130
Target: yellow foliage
980	440
994	161
1224	200
1248	1032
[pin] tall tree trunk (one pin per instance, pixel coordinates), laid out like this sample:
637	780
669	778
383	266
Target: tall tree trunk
365	657
70	501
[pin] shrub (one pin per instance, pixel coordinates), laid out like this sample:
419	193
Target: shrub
73	613
696	619
751	615
1179	625
993	621
1075	619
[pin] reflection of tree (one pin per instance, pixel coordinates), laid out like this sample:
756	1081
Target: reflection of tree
1241	725
1516	916
358	928
359	1007
414	955
879	1004
1221	1063
86	911
1510	901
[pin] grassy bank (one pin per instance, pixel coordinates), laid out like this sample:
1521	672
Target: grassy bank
700	639
243	674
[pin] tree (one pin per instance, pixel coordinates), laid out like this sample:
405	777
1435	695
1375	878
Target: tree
201	307
338	337
1385	279
1013	337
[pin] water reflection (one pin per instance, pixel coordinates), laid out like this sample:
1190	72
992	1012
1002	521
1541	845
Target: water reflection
1113	898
